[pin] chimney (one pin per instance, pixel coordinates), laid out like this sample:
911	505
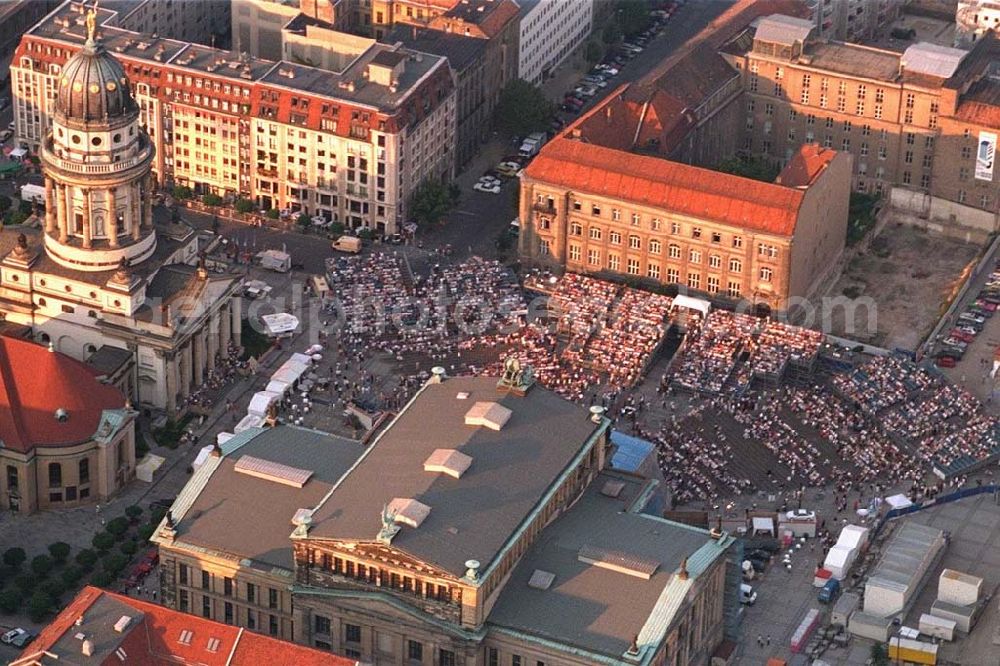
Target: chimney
472	569
437	374
88	648
683	573
596	413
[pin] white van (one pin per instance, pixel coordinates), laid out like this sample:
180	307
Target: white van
747	594
350	244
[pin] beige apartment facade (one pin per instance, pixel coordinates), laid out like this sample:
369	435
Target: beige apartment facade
285	135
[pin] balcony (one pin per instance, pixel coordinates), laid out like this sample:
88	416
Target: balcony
144	155
545	207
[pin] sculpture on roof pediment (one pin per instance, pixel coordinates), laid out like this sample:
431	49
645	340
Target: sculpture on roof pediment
389	526
123	275
21	249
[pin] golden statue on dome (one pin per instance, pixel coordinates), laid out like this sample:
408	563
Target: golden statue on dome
91	22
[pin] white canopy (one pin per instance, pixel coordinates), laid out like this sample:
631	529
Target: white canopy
223	437
147	467
853	536
899	501
249	421
280	323
303	359
763	525
277	386
286	376
260	402
202	456
691	303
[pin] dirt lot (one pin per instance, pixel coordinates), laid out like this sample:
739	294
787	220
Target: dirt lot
907	277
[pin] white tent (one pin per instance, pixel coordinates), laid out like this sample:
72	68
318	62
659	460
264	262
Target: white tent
203	454
249	421
223	437
261	401
280	323
277	386
302	359
684	301
763	525
898	501
147	467
839	561
853	536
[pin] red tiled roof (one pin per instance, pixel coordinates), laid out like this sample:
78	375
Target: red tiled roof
805	165
671	186
501	15
153	641
34	383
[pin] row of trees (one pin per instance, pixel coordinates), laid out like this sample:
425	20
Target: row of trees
40	584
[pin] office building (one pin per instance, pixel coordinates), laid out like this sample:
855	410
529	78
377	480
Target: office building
550	30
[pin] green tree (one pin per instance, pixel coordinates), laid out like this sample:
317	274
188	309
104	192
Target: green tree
41	565
156	514
15	217
146	531
102	541
593	52
242	205
612	33
211	199
5	203
86	558
880	655
522	109
71	576
128	547
133	512
272	214
430	202
59	551
754	168
183	192
337	228
114	564
633	16
26	207
14	557
303	221
39	605
25	581
102	579
10	600
54	587
118	527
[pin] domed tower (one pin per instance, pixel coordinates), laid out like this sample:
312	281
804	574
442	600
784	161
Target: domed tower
97	161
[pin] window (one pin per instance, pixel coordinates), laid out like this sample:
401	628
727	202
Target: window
206	606
925	181
715	261
616	214
734	289
766	274
866	130
907	178
614	262
927	161
634	242
446	657
810	119
415	650
908	116
84	466
543	247
654	246
829	123
352	633
577	205
635	219
594	257
882	152
737	241
961	196
653	271
575	229
963	173
769	109
879	95
712	283
696	232
55	475
228	612
515	660
272	625
675	227
595	233
182	572
272	598
632	266
845	145
910	98
595	210
984	201
674	251
575	252
12	478
694	280
206	580
694	257
615	238
735	265
863	150
492	657
251	593
227	586
673	275
654	224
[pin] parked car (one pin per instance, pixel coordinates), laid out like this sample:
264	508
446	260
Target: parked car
758	565
5	135
989	306
964	336
945	361
586	90
508	169
17	637
979	312
954	352
955	342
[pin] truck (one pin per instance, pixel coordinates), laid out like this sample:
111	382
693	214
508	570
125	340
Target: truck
33	193
531	145
275	260
350	244
830	591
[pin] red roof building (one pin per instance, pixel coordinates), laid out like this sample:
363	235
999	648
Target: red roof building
108	629
70	436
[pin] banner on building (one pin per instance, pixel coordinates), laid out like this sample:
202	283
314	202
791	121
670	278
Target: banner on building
985	155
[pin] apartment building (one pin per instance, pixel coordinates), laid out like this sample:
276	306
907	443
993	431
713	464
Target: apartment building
892	111
203	22
462	535
350	144
550	30
257	24
479	40
854	20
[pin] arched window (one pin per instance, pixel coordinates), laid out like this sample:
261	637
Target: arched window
55	475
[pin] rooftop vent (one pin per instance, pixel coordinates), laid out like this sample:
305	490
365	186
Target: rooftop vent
541	580
122	624
619	561
472	569
437	374
613	488
87	648
462	395
272	471
596	412
448	461
409	511
62	415
492	415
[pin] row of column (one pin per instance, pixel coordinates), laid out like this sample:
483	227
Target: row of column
198	355
59	212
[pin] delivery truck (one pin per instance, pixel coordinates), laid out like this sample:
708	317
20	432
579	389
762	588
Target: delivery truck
275	260
350	244
33	193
